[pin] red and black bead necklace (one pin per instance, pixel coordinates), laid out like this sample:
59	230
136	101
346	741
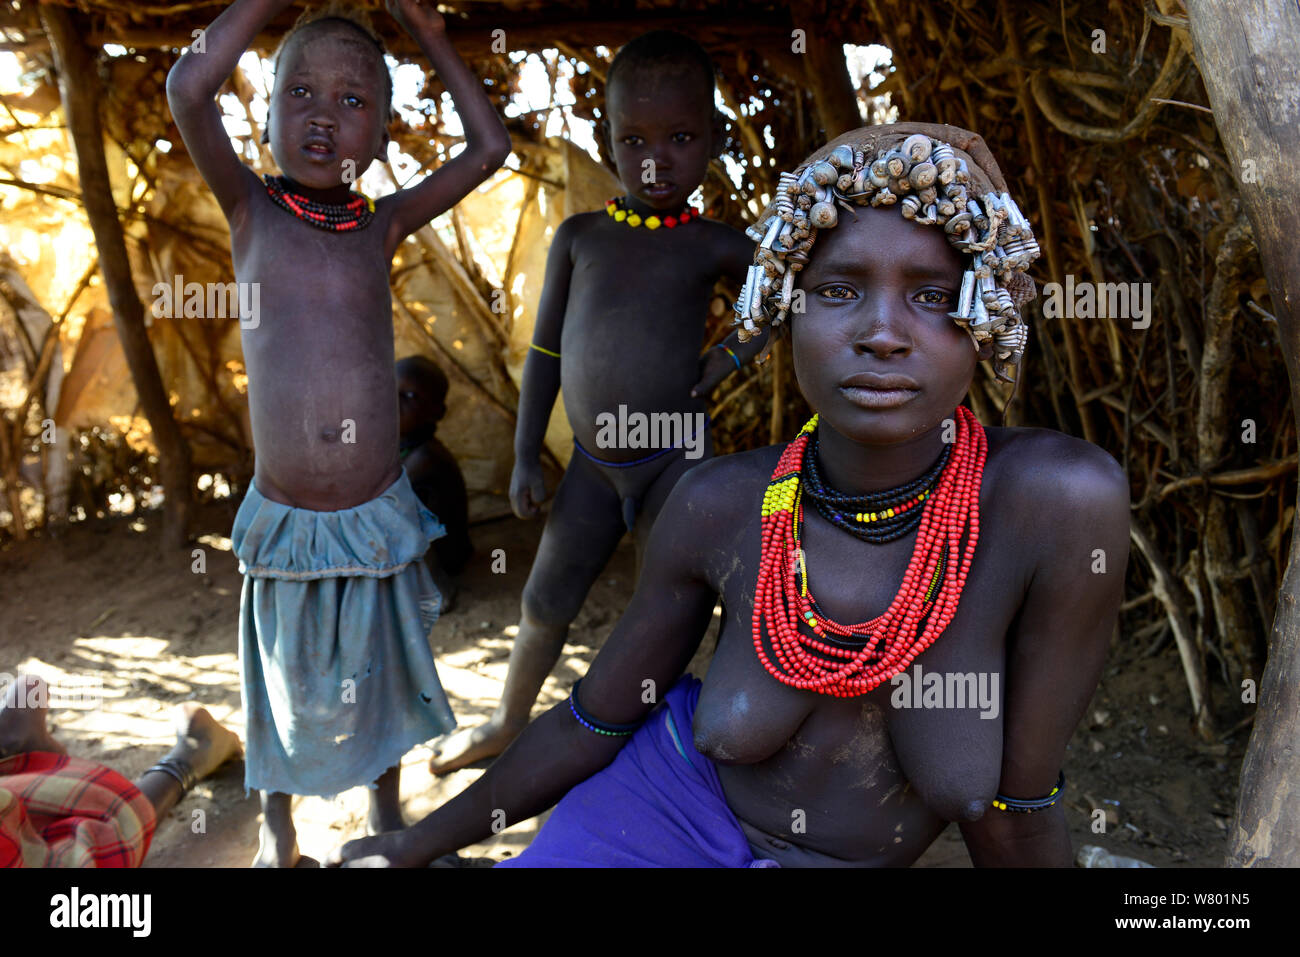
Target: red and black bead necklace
355	214
877	517
921	610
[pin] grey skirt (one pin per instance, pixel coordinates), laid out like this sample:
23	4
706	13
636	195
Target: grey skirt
337	675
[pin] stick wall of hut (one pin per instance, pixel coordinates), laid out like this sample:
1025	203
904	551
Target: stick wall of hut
1249	56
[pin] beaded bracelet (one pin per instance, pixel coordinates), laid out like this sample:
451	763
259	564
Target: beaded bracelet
548	352
592	724
1004	803
734	357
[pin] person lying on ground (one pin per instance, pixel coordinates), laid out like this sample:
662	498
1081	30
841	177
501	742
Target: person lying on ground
60	811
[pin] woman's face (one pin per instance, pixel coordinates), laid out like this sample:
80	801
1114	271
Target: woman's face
875	351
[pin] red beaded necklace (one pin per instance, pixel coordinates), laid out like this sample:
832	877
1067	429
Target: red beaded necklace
356	213
921	610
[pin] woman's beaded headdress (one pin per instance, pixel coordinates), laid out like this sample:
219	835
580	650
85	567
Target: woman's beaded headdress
937	176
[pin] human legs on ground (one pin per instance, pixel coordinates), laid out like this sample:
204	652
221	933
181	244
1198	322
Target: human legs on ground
582	530
278	838
201	743
385	803
443	581
24	707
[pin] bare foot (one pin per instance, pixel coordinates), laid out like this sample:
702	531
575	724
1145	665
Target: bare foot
202	741
381	850
24	707
272	852
277	837
460	748
449	592
275	860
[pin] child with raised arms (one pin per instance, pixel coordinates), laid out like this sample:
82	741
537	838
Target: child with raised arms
338	678
619	325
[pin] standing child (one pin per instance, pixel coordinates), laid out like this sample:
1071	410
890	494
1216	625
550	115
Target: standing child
620	324
338	679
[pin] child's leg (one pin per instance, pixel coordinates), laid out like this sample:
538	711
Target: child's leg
385	803
583	529
442	581
278	841
654	497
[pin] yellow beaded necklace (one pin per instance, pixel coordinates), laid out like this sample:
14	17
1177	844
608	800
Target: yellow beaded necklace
617	208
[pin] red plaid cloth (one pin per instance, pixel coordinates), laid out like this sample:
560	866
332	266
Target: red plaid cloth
59	811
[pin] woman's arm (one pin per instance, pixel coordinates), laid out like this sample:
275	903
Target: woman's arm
653	641
487	144
192	87
1058	646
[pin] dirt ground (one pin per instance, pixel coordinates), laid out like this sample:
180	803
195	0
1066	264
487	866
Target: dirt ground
100	600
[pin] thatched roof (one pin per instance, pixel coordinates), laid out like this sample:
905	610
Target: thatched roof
530	24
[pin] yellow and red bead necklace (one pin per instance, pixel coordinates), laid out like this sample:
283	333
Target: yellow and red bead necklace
876	650
618	210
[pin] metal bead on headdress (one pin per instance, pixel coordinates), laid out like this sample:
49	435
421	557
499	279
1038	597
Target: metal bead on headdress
931	185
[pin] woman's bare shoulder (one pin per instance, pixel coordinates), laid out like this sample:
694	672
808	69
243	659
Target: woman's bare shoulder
726	485
1057	475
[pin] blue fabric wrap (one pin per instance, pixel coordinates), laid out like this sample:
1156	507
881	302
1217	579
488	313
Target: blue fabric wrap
659	804
337	675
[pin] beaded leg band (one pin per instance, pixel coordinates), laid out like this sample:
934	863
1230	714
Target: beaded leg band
1004	803
592	724
178	769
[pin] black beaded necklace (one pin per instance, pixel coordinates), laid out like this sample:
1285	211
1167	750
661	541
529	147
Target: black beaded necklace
876	517
355	214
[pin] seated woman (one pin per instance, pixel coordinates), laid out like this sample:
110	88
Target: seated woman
807	744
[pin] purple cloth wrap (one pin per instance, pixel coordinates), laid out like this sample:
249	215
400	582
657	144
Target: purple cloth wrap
659	804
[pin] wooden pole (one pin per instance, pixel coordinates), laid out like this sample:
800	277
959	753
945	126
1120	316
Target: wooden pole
80	89
1249	56
828	78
